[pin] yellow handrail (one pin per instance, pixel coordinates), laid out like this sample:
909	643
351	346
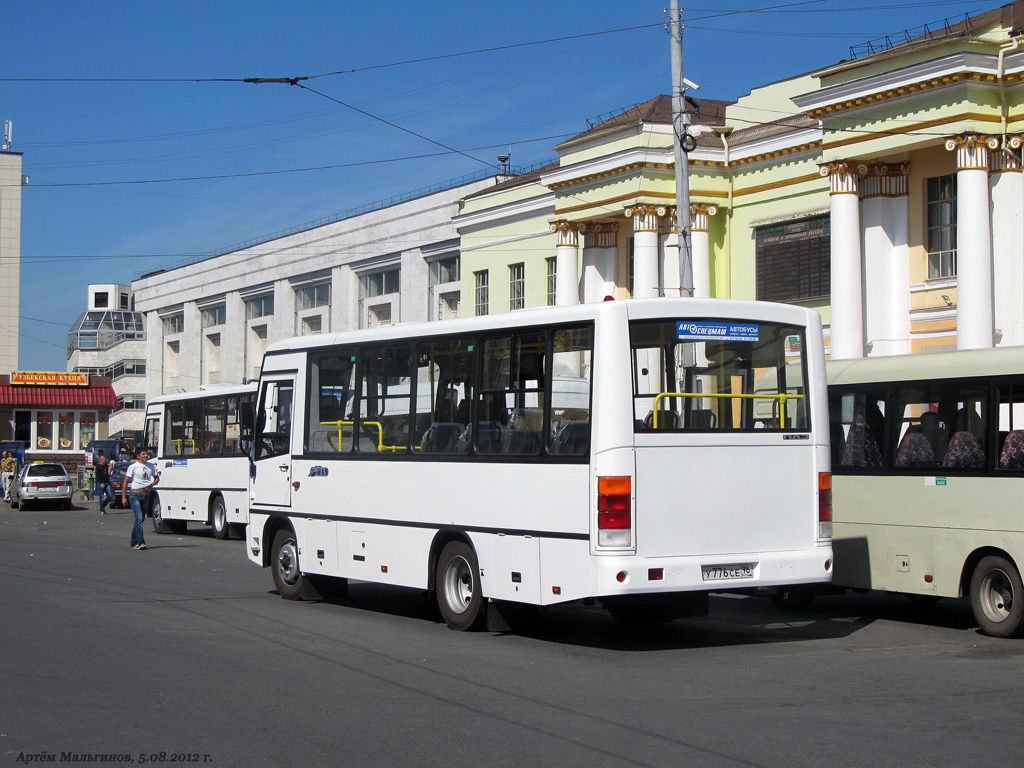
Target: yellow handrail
178	444
781	397
380	434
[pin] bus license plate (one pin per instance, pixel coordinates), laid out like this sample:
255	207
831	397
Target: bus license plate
734	571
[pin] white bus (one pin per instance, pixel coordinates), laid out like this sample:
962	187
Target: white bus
603	451
200	444
928	454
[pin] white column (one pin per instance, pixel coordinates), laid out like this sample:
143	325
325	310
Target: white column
700	245
847	323
646	229
973	241
883	189
567	280
599	247
1007	188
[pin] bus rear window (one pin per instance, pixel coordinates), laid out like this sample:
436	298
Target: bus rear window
715	375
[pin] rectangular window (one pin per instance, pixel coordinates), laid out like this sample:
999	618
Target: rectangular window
857	427
551	280
101	300
259	306
481	296
124	302
941	227
516	286
44	431
384	400
313	296
445	384
793	260
332	402
381	283
444	271
713	375
512	394
216	315
182	430
174	324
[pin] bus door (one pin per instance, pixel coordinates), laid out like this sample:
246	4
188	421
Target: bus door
272	451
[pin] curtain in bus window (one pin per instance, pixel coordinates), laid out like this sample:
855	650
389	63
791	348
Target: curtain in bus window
940	425
330	412
746	376
571	354
1011	425
857	428
445	383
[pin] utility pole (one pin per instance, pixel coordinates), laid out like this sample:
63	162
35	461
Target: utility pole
683	142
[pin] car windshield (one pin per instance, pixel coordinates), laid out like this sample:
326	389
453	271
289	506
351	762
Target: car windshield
45	470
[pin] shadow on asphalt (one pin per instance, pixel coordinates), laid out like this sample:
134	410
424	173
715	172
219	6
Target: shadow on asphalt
733	619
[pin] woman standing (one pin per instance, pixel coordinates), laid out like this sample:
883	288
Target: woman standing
138	482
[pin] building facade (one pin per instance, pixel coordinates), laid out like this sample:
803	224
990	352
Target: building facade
109	340
885	191
209	322
10	258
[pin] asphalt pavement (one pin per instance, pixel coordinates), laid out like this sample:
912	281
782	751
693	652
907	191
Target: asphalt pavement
185	653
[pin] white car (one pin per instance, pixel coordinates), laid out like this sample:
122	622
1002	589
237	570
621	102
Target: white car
41	483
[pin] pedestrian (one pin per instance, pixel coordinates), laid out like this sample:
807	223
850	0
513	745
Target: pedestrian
103	483
139	480
8	469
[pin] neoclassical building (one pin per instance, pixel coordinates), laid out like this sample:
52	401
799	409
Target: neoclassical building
885	191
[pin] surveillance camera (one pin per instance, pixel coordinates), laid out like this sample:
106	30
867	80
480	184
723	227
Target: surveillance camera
690	84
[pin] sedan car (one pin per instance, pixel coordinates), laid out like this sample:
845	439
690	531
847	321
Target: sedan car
41	483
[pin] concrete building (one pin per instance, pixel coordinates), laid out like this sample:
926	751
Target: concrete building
109	340
209	322
10	258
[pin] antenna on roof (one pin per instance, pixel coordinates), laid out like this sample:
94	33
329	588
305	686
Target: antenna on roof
8	134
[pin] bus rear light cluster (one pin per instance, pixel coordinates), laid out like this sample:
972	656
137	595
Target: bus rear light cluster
824	505
614	511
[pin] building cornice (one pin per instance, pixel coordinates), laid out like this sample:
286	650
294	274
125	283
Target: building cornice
949	70
491	216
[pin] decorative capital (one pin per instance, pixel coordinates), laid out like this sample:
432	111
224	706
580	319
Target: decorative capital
1008	159
844	177
567	232
884	179
699	215
646	218
972	150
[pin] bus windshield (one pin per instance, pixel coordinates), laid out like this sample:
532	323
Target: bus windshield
711	374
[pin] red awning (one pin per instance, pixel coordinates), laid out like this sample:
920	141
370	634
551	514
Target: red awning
101	396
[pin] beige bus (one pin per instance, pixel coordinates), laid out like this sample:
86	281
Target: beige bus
928	486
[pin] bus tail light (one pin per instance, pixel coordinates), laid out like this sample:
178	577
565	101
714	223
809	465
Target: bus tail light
824	505
614	511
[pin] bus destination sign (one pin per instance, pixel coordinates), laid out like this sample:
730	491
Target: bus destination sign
687	330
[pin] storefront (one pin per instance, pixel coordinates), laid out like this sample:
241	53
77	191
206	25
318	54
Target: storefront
54	414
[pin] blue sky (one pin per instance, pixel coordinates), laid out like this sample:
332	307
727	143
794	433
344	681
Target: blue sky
127	177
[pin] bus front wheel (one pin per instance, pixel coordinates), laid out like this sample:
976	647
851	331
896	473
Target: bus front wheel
284	562
458	587
219	519
156	510
997	597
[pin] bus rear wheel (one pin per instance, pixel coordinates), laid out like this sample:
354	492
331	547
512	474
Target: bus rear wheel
219	519
458	587
284	563
997	597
